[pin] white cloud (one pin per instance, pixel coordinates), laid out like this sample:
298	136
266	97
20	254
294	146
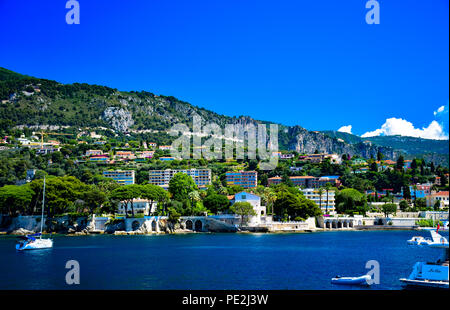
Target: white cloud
398	126
439	110
347	129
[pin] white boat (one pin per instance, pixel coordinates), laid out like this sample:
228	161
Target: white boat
419	240
362	280
31	242
431	274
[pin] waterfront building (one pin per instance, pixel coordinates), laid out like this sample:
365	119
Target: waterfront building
123	177
442	197
201	177
140	206
321	200
255	201
246	179
152	144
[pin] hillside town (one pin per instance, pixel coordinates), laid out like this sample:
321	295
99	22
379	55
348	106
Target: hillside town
138	187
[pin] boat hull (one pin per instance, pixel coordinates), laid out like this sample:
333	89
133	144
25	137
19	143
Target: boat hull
35	245
363	280
410	283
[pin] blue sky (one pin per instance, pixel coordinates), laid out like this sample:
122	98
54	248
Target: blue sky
311	63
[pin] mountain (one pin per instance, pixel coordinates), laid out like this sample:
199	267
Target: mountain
29	102
429	149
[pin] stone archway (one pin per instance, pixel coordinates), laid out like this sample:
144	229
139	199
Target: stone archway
154	225
198	225
189	225
328	224
334	224
339	224
135	225
350	224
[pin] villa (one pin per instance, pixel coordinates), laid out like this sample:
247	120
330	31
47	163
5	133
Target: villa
255	201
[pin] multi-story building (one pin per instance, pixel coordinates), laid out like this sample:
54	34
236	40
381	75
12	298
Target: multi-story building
123	177
93	152
201	177
124	155
306	181
420	190
321	200
246	179
442	197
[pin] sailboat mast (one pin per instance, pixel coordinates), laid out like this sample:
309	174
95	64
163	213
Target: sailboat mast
43	203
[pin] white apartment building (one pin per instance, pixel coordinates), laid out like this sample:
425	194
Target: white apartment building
313	194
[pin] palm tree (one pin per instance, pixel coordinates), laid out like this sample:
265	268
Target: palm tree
194	196
320	191
327	189
270	198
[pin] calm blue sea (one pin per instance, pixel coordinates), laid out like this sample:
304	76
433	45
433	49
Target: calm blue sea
214	261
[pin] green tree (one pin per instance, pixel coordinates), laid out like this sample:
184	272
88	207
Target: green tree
126	194
60	193
389	208
289	205
243	209
400	162
216	203
15	198
180	186
94	198
420	204
154	193
403	205
350	200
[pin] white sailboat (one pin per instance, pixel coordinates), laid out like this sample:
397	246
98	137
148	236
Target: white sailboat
31	242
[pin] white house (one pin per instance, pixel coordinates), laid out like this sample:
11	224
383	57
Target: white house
255	201
141	206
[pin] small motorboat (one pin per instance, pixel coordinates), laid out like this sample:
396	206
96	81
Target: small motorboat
362	280
419	240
